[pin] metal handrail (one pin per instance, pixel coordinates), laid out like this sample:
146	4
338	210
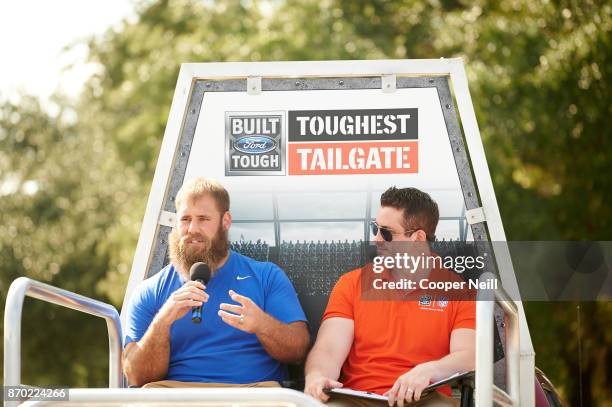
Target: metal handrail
501	398
230	396
485	324
22	287
513	344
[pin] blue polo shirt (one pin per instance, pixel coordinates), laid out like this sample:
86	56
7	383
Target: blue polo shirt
213	351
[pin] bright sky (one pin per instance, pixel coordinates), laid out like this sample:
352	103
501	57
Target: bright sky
33	34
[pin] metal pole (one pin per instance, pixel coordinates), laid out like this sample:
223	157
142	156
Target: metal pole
484	346
191	396
22	287
512	344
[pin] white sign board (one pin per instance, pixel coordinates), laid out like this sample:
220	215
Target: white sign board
306	148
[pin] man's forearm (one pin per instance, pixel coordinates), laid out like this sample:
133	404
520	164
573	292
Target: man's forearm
287	343
148	359
322	363
459	361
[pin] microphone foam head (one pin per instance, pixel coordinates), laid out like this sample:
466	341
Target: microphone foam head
200	271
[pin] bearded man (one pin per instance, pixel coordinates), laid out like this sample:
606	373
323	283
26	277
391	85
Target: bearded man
252	322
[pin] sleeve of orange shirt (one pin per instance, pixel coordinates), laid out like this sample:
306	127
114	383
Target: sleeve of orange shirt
341	301
466	315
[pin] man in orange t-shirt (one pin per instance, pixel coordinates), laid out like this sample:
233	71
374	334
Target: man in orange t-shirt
393	342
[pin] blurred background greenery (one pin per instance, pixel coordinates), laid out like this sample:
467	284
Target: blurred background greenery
74	184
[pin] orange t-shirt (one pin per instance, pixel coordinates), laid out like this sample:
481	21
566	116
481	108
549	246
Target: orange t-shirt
393	336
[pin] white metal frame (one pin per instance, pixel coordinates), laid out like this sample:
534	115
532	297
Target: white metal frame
486	390
454	68
226	396
25	287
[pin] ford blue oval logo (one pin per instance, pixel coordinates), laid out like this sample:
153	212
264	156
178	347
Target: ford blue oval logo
255	144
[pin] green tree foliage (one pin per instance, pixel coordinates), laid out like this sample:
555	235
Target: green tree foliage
539	77
62	211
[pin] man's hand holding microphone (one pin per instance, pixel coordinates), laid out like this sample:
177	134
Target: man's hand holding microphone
246	316
190	296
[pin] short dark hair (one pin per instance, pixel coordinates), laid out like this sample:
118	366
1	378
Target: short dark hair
420	211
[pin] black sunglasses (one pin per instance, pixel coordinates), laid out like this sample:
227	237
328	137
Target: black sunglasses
387	235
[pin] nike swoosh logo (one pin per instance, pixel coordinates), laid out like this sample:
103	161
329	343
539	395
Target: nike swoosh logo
242	278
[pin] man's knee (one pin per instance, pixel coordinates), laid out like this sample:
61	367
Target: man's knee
177	384
341	400
434	399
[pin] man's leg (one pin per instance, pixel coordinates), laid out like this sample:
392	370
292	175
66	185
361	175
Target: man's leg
343	400
177	384
433	399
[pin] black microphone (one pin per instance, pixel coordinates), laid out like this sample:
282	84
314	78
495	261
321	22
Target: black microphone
199	272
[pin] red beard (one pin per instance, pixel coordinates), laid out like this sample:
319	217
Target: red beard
209	251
